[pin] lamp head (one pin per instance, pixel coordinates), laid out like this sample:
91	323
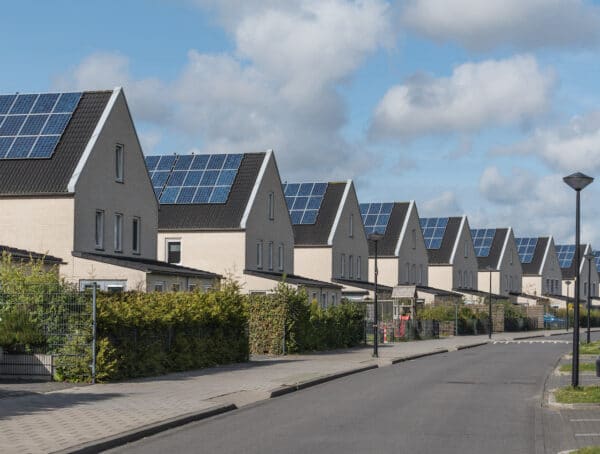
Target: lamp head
375	237
578	180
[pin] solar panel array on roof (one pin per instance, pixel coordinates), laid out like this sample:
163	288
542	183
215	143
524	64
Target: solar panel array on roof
193	179
433	231
482	241
376	216
304	201
565	254
32	124
526	248
597	260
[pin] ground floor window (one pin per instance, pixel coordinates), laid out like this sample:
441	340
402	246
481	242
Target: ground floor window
112	286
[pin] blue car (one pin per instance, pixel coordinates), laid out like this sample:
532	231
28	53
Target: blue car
552	319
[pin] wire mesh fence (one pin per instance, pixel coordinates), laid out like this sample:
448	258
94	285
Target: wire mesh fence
41	328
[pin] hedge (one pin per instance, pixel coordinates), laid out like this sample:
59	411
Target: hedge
146	334
307	326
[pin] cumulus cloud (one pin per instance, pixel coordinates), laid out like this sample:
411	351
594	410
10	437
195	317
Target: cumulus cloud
523	24
568	148
444	204
476	95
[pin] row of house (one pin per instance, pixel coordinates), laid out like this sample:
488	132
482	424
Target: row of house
75	185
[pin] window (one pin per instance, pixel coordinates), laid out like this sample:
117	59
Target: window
270	255
512	256
358	268
175	287
333	301
466	249
174	251
271	206
413	274
420	274
118	232
281	257
414	238
343	265
407	271
259	254
460	277
99	235
314	297
351	267
114	288
159	286
351	226
506	283
136	227
324	300
119	163
192	287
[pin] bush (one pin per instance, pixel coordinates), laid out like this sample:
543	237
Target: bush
19	331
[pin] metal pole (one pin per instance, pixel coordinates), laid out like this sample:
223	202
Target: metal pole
491	324
94	334
456	319
568	285
376	315
575	366
589	298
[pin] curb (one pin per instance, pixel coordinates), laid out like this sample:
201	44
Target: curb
287	389
529	337
464	347
417	356
122	438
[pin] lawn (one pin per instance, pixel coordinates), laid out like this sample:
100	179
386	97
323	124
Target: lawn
581	395
590	349
588	450
583	367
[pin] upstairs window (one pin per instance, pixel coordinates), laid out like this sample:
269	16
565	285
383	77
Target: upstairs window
358	266
118	232
99	234
351	226
271	206
343	265
174	251
135	235
281	257
414	238
270	255
351	267
259	254
119	163
466	249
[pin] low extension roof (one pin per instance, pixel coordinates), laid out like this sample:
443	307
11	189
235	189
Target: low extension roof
473	292
292	279
148	265
437	291
216	216
25	255
534	268
365	285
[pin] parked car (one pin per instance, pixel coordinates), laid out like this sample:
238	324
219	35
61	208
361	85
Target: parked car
552	321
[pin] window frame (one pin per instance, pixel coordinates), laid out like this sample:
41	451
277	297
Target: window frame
271	206
168	242
119	163
118	233
259	254
270	257
343	266
281	256
351	226
99	234
136	233
358	268
350	266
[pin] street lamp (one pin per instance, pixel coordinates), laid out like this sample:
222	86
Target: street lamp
376	237
491	325
568	283
577	181
589	257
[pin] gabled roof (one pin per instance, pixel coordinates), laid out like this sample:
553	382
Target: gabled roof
540	254
23	255
496	251
292	279
388	245
51	176
318	234
444	255
218	216
571	271
147	265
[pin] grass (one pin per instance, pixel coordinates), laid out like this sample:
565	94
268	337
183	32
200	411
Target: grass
590	349
583	367
588	450
581	395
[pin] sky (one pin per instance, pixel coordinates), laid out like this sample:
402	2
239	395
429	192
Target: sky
466	107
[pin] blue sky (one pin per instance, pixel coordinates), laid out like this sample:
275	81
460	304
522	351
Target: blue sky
465	106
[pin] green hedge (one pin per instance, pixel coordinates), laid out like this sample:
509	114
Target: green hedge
146	334
307	326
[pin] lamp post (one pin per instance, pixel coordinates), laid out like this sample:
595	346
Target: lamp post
491	324
376	237
568	284
589	257
577	181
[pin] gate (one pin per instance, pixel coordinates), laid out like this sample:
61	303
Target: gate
395	327
42	327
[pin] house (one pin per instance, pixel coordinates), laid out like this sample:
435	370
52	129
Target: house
568	266
227	212
542	274
452	261
74	185
330	242
498	261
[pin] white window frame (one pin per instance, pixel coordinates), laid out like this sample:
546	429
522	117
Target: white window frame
259	254
99	230
159	287
466	249
351	226
118	232
271	205
460	278
333	299
414	238
136	231
281	256
343	265
358	268
351	267
270	256
119	163
167	243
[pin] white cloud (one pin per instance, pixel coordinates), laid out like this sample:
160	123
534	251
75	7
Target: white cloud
444	204
476	95
524	24
567	148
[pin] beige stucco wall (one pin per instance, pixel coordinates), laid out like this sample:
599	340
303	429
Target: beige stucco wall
83	269
532	285
354	246
261	229
97	188
43	225
465	260
313	262
388	270
441	277
484	282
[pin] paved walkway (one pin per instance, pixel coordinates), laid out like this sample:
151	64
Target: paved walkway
62	419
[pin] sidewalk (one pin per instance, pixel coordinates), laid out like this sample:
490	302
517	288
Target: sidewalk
72	417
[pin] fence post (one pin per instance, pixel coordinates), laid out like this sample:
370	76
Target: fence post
94	334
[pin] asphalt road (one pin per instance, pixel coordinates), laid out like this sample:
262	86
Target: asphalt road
481	400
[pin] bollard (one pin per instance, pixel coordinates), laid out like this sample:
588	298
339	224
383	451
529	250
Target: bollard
598	367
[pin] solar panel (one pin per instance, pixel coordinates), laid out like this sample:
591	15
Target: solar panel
526	248
482	241
565	254
304	201
376	216
32	124
433	231
597	260
193	179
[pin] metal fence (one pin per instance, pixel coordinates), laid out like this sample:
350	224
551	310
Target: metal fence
42	327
